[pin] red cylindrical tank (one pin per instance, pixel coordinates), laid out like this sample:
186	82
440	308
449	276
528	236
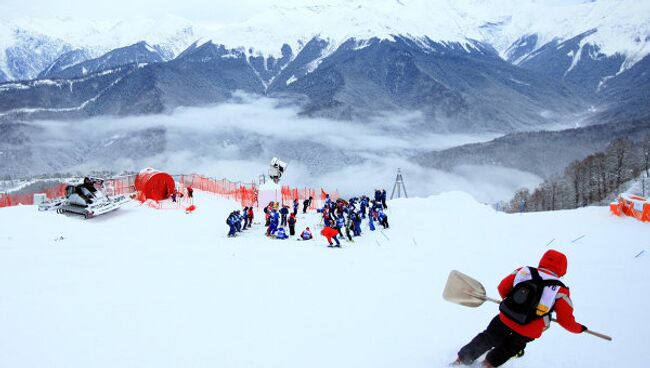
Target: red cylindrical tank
154	184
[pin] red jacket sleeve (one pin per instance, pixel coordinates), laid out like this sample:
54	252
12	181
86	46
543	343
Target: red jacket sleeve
564	312
506	284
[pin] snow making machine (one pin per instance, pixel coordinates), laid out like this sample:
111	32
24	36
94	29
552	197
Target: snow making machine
276	169
88	200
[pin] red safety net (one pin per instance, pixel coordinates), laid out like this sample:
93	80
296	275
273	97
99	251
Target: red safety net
632	206
120	185
245	193
7	200
289	194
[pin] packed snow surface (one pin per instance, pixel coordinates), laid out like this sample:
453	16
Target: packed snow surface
160	288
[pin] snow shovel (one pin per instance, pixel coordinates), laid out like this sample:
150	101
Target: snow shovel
464	290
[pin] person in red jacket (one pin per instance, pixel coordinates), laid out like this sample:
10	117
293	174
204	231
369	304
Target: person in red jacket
251	215
330	233
505	338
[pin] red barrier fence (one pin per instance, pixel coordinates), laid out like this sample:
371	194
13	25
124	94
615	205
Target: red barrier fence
289	194
54	191
632	206
245	193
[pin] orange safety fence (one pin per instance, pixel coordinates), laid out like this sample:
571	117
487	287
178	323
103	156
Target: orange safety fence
289	194
245	193
7	200
120	185
632	206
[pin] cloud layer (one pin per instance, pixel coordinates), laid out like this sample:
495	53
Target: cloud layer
237	140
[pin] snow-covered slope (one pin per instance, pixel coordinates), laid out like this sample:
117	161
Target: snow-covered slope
159	288
622	26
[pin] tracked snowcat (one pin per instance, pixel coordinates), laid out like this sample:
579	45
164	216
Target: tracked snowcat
88	200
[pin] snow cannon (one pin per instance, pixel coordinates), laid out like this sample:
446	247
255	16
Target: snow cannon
276	169
154	184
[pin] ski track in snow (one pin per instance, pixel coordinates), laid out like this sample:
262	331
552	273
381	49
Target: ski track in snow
160	288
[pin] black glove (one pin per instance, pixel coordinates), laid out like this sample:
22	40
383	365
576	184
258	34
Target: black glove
584	328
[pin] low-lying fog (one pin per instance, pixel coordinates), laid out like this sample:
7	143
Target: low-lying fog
237	140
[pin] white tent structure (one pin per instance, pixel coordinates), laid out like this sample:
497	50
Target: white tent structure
269	192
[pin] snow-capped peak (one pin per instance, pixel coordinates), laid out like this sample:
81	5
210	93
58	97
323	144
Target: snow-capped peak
621	26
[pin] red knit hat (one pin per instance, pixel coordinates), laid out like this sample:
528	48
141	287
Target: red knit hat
554	261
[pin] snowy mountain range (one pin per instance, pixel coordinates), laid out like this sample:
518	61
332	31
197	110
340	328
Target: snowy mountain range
606	28
466	66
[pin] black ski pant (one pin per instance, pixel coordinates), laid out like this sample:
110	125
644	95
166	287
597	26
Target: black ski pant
340	232
384	223
383	204
292	230
304	208
501	342
347	232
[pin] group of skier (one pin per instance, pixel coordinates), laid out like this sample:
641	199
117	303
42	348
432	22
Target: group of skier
337	215
341	214
240	220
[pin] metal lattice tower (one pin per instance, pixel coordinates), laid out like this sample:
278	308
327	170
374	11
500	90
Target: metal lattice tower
399	185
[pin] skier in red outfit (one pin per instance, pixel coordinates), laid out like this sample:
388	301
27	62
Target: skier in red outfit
330	233
505	337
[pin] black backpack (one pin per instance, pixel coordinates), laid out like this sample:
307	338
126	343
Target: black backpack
520	305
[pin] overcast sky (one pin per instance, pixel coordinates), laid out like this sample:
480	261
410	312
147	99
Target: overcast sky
199	10
202	10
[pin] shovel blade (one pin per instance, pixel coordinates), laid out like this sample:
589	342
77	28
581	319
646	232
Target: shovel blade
464	290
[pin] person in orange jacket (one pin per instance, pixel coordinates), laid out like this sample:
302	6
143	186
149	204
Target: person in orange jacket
330	233
510	331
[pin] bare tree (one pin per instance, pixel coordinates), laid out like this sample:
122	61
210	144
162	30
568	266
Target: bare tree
519	203
646	154
618	160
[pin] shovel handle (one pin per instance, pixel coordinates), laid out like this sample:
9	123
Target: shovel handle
598	334
487	298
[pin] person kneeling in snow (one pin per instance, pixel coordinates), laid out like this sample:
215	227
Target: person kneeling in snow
383	219
519	323
280	234
330	233
306	234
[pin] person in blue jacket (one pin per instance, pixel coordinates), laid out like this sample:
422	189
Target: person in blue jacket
340	224
284	212
371	223
274	221
295	207
230	221
281	234
238	220
306	234
383	219
363	206
327	221
245	216
356	218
